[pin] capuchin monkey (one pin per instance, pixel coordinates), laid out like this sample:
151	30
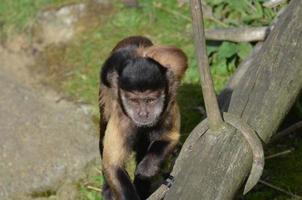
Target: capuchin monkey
138	112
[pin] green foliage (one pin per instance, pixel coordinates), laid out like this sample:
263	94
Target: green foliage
243	12
284	172
224	59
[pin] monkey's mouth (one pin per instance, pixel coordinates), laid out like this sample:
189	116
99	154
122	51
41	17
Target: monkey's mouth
145	122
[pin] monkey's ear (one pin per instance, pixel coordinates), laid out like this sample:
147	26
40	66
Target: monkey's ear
168	56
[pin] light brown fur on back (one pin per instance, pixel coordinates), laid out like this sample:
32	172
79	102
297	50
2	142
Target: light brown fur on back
139	41
168	56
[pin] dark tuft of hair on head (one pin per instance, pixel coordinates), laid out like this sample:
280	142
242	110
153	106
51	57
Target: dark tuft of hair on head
141	74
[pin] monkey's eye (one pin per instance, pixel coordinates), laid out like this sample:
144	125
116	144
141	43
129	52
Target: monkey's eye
132	100
150	100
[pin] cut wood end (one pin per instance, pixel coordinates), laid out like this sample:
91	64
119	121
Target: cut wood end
255	175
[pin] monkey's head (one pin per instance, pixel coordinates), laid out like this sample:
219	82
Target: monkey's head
144	78
143	85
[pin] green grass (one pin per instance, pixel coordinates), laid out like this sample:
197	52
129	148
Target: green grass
90	194
17	15
284	172
74	67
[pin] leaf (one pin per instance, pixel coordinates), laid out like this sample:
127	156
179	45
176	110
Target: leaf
254	14
215	2
192	74
211	49
231	65
226	50
244	49
220	66
238	5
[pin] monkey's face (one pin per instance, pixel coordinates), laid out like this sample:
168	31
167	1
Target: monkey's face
144	108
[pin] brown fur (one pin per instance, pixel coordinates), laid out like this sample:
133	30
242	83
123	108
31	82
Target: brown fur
119	129
138	41
170	57
173	134
115	151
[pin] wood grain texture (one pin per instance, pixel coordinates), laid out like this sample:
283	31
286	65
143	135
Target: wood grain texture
209	96
215	164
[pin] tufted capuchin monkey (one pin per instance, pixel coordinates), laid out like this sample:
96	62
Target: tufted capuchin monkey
138	112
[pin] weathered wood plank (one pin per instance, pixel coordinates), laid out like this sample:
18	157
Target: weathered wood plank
215	165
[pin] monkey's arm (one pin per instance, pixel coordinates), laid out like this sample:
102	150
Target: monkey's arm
157	153
103	126
115	152
160	149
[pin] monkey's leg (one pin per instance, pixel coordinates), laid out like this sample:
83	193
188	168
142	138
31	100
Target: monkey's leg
106	191
116	150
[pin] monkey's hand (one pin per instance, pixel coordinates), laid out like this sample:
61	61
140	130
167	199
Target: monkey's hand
148	167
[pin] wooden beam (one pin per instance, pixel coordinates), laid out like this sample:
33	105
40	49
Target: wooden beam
215	164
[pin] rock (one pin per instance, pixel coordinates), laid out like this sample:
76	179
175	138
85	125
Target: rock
17	43
57	25
68	191
44	143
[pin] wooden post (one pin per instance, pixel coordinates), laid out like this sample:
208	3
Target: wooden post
213	113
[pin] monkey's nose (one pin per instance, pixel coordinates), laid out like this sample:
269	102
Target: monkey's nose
143	114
